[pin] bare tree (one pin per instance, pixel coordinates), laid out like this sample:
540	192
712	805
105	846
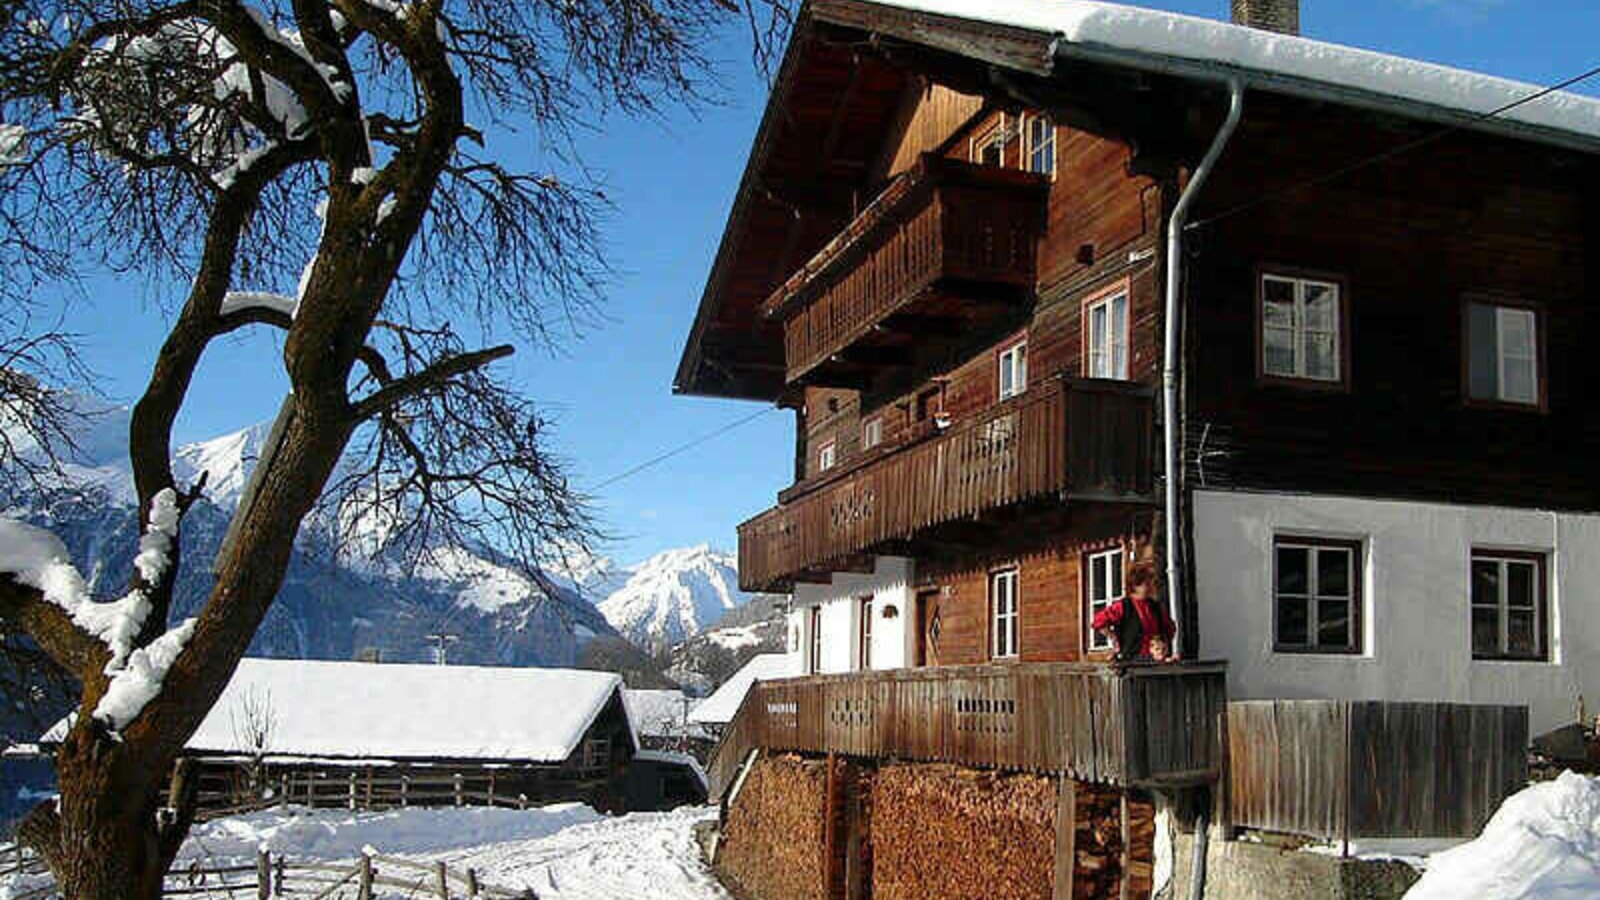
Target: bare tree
255	721
336	170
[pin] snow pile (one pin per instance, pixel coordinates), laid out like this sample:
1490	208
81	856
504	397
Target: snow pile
356	710
674	595
12	141
1542	844
1157	34
335	834
719	708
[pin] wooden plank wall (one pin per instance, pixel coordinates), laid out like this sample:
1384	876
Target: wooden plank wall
1338	770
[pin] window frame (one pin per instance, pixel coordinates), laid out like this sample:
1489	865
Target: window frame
1123	288
814	648
1090	635
1541	604
864	633
1011	617
1314	542
1342	319
981	140
869	426
827	456
1541	371
1028	145
1001	352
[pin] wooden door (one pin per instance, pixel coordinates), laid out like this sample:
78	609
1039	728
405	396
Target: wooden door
927	646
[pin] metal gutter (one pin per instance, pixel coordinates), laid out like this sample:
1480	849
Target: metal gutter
1309	89
1172	425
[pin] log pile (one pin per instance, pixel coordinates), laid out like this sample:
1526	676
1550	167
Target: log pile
773	845
948	833
1097	863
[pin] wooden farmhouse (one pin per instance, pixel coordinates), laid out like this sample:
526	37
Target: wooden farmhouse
360	735
1055	287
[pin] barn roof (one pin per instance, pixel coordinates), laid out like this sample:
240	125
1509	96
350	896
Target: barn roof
393	711
719	708
817	152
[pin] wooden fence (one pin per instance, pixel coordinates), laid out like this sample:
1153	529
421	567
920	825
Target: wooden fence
229	786
1132	725
372	877
1063	436
1341	770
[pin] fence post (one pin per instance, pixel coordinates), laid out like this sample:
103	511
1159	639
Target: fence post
472	883
278	882
491	787
522	801
352	791
369	788
263	875
444	880
457	780
405	791
364	889
283	789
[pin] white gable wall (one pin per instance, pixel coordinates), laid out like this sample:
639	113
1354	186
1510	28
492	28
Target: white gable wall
1417	641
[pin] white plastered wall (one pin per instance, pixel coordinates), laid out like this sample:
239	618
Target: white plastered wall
1417	640
889	585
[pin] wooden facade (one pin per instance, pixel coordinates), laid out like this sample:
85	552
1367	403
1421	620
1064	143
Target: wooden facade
1136	725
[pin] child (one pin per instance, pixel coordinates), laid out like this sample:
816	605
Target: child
1138	622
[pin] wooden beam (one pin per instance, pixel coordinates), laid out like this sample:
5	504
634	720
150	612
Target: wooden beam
1066	837
876	357
915	324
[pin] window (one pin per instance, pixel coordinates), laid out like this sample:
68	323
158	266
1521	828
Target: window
1003	613
1302	329
989	149
826	456
1041	135
1503	354
1508	605
1013	370
814	657
871	433
1316	595
1104	589
1106	334
866	633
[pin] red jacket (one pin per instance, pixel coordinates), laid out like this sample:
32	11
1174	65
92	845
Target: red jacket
1153	620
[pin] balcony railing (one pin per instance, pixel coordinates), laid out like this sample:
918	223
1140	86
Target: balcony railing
945	228
1062	438
1142	725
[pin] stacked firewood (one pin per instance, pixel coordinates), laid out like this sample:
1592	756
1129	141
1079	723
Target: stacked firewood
773	845
947	833
1097	844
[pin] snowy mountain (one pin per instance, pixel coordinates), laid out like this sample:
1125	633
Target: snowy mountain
674	595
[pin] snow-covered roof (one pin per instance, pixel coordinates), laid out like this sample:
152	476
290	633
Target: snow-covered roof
407	711
720	707
1186	44
657	713
675	758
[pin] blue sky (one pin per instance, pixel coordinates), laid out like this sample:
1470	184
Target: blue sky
672	182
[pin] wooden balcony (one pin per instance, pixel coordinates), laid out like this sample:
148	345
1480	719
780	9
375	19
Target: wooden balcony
1063	438
943	250
1136	725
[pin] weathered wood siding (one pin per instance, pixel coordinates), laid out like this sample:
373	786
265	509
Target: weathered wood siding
1414	237
1339	769
1134	725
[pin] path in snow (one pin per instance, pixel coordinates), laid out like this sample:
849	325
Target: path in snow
640	856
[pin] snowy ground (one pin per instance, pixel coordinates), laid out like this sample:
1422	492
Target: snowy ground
563	852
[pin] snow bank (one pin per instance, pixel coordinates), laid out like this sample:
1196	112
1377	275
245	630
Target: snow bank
334	834
1543	844
1162	34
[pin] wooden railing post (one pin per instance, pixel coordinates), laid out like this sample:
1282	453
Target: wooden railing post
405	791
443	876
456	780
364	888
352	791
263	874
278	884
491	787
472	884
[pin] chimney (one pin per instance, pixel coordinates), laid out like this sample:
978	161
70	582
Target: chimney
1282	16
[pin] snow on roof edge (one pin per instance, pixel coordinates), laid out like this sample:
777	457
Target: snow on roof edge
1350	74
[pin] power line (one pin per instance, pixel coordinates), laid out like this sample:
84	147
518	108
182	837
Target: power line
685	447
1393	152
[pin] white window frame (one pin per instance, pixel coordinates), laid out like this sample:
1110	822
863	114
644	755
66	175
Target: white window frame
1502	355
1029	146
996	134
1300	333
814	649
1313	596
864	633
827	456
1540	564
871	432
1004	614
1013	359
1101	361
1100	595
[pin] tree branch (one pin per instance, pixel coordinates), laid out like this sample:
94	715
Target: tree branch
72	648
427	379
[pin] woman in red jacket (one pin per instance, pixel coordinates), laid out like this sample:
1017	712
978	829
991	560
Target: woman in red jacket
1139	623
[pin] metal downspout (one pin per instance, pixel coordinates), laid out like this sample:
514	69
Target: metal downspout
1170	361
